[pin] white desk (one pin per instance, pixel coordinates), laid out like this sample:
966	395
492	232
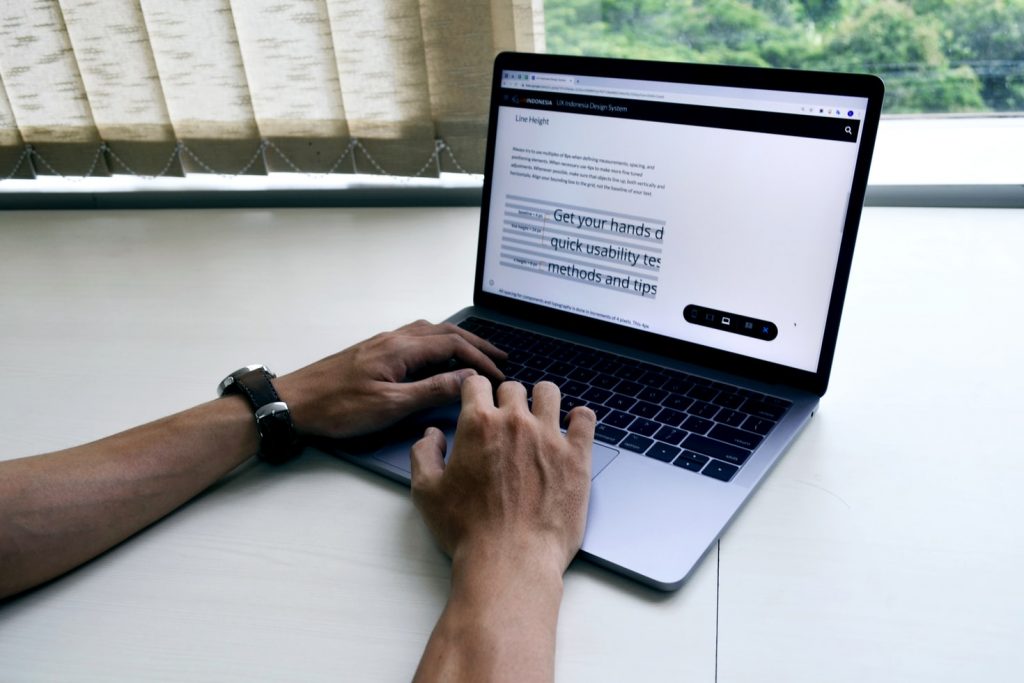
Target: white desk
875	551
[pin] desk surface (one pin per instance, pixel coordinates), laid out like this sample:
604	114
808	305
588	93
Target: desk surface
885	546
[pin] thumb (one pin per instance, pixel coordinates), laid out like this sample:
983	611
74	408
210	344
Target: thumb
427	460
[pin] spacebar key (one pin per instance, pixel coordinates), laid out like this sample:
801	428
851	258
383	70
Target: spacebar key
716	449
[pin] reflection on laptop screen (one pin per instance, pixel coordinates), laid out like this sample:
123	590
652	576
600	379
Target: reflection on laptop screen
708	214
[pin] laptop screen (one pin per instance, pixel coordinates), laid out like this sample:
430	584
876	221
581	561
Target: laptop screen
704	213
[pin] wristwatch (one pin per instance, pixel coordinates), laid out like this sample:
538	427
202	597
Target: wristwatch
278	440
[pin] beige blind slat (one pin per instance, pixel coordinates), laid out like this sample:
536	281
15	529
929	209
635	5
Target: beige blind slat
195	48
288	53
529	23
12	147
383	74
46	94
458	84
122	83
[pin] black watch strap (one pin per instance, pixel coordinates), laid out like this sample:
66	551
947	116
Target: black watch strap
278	440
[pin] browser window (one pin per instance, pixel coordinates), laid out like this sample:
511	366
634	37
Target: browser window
707	214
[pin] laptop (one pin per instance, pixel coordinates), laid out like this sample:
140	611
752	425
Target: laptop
670	244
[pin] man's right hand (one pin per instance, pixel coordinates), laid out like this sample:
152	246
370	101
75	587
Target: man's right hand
510	509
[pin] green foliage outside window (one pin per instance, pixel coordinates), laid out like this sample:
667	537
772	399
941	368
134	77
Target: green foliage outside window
934	55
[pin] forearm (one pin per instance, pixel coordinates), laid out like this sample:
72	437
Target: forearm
60	509
499	623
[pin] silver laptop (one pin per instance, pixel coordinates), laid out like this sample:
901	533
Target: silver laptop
670	244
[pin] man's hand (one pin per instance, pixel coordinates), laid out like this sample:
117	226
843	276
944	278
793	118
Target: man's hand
510	509
379	381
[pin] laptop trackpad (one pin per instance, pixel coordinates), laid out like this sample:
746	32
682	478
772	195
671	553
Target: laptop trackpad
397	454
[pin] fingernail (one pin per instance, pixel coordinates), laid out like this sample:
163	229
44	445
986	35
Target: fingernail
464	374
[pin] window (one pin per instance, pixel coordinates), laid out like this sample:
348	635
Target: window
954	69
936	56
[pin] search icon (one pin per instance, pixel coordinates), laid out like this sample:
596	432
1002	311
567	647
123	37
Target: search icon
849	131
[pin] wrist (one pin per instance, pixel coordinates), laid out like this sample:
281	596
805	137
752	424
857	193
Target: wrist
499	571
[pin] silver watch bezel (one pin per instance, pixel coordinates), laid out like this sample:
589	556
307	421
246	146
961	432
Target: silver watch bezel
229	381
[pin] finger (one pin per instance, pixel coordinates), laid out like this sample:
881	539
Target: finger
427	459
427	350
473	357
436	390
476	393
479	342
547	402
423	328
580	431
511	395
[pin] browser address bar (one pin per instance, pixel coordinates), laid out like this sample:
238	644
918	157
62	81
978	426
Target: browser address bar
568	85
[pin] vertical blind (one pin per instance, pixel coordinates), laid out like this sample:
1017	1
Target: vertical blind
154	88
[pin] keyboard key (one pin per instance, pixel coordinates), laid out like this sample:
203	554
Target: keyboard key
727	400
597	395
604	381
586	359
716	449
678	402
608	366
652	395
695	457
670	435
628	388
653	379
557	380
607	434
644	409
678	385
618	419
642	425
620	402
775	400
663	452
560	367
570	402
702	393
697	424
629	372
565	353
737	437
756	424
518	356
767	411
637	443
539	362
582	375
701	409
670	417
733	418
691	461
720	470
574	388
599	410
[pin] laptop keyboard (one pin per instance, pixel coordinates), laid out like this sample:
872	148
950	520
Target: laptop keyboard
677	418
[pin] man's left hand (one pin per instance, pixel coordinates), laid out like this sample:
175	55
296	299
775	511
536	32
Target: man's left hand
381	380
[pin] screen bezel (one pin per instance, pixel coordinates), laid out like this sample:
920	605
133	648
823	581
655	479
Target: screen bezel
857	85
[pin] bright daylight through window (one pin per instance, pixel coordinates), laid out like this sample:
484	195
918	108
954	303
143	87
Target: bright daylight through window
953	69
936	56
